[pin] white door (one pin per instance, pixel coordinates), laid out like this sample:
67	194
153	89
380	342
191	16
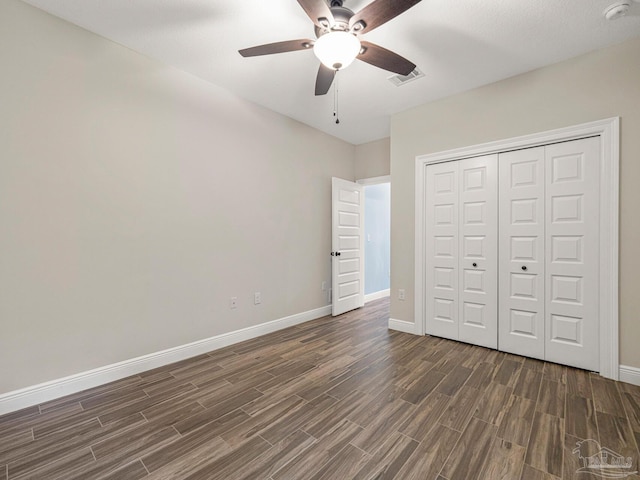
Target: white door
478	248
461	250
522	222
347	244
572	246
441	250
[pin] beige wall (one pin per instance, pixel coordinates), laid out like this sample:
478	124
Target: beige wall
135	200
373	159
595	86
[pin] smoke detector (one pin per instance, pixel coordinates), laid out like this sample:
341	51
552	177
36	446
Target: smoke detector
616	10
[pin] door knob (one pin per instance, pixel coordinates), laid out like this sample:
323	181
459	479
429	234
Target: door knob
474	264
524	267
335	254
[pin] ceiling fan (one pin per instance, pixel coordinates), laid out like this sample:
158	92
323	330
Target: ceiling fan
337	43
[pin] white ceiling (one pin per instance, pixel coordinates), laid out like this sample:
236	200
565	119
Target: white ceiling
458	44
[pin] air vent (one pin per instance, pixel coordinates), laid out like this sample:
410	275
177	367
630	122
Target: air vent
399	80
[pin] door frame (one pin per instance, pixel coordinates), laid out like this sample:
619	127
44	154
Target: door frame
609	132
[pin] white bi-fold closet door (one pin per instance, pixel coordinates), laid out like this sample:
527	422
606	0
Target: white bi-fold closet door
549	244
461	250
512	251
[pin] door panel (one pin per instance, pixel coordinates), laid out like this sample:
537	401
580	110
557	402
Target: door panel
477	268
521	245
441	250
461	253
572	212
347	276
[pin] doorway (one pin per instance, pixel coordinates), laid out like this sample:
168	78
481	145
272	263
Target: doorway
377	237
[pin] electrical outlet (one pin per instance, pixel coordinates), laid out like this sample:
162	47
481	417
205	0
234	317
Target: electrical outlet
401	294
257	298
324	286
233	302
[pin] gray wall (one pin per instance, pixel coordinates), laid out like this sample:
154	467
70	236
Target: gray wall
595	86
373	159
136	199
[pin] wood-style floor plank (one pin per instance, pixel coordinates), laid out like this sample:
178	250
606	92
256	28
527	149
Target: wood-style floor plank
418	425
580	420
616	434
504	461
343	465
516	424
389	459
528	384
552	398
471	454
606	396
321	452
530	473
544	451
334	398
278	456
429	458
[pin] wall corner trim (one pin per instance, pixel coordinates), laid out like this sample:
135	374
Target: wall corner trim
43	392
630	374
403	326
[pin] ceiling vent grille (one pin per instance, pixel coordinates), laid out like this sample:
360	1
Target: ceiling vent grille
399	80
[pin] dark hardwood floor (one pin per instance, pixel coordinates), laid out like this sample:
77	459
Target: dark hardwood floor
335	398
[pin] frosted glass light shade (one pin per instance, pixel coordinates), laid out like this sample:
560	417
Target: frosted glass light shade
337	50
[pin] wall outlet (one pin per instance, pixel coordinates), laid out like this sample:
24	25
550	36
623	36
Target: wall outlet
401	295
324	286
233	302
257	298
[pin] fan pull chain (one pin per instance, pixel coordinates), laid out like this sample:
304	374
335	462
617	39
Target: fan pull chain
336	105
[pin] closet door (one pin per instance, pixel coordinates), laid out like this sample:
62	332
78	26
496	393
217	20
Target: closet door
522	248
441	250
572	211
478	259
461	251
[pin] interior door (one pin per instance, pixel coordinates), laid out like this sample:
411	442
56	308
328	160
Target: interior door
572	246
478	247
522	253
347	244
441	250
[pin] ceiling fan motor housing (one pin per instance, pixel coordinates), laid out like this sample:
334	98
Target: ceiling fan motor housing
341	17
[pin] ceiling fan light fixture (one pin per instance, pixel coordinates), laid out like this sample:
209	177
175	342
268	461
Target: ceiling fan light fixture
337	50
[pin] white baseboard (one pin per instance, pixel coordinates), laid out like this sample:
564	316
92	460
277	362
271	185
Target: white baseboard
630	374
403	326
43	392
376	295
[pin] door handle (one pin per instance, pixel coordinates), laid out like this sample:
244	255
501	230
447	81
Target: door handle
335	254
524	267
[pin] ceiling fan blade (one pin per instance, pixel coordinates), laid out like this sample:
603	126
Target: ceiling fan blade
386	59
379	12
278	47
324	79
318	11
